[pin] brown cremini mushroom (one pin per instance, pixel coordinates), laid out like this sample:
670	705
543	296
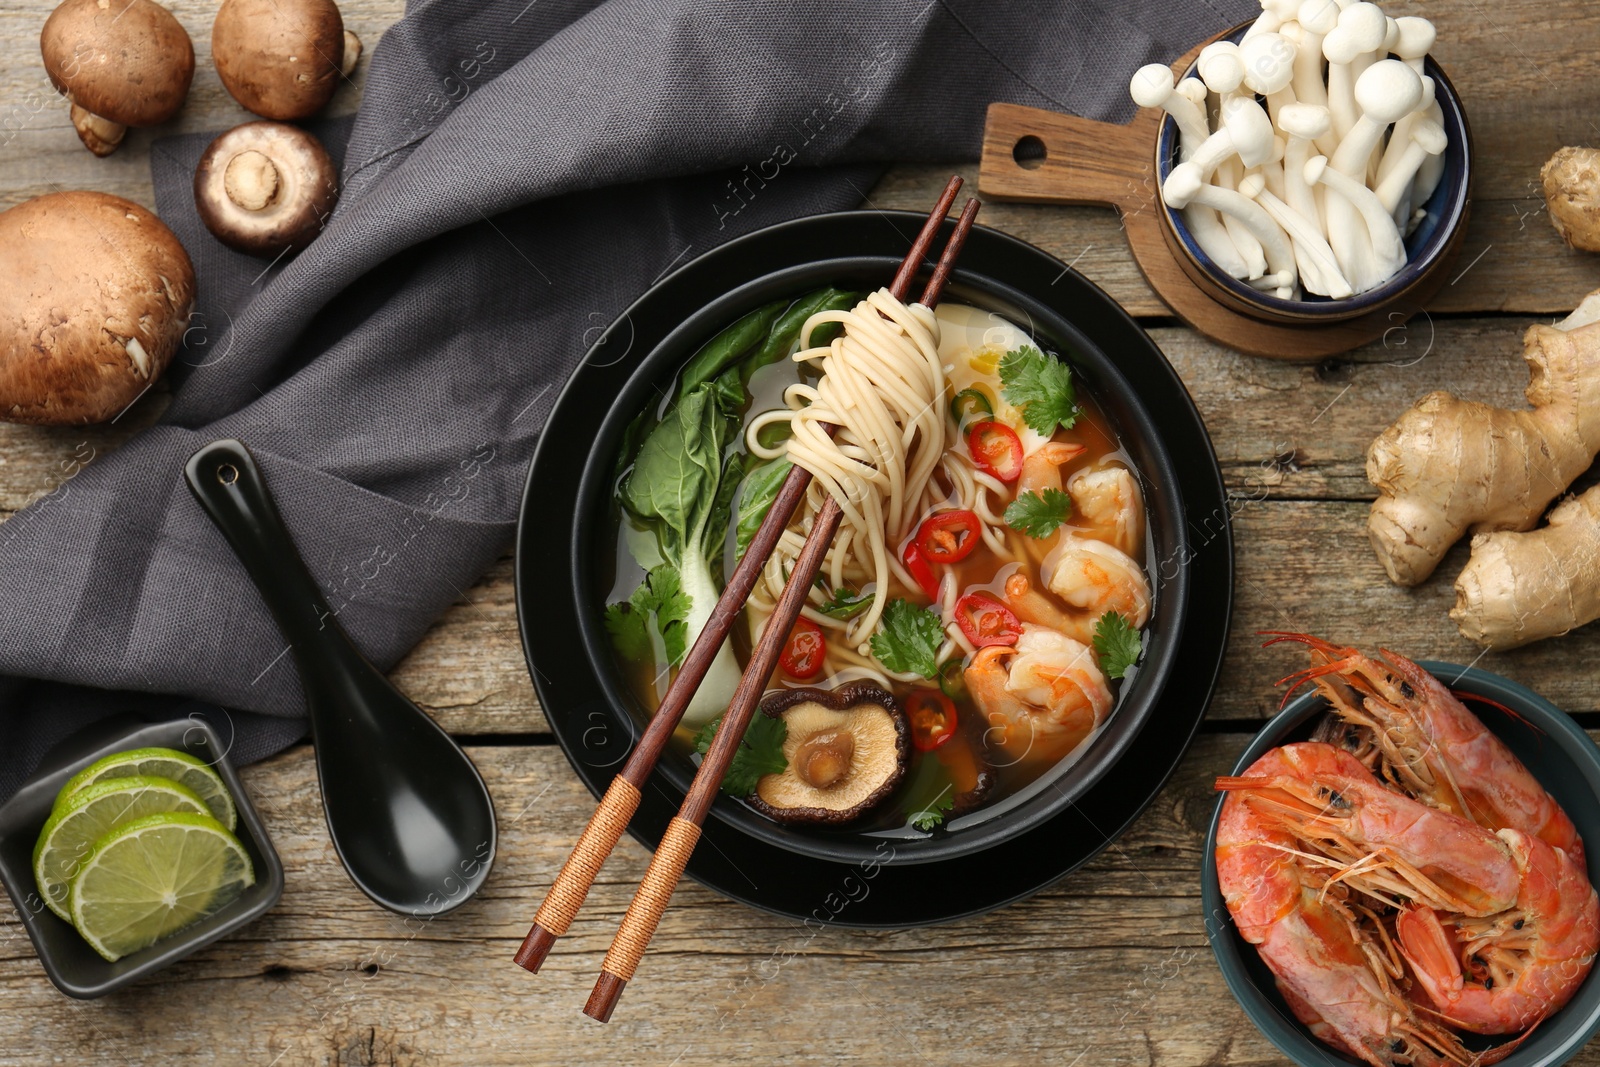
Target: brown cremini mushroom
281	59
265	186
847	750
96	300
120	64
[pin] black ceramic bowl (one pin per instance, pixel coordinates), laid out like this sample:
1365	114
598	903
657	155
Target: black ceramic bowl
72	965
1548	743
1427	248
594	715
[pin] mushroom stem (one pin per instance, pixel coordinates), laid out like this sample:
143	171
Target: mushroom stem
1227	177
1426	139
100	136
1185	186
352	53
1319	270
251	181
1384	252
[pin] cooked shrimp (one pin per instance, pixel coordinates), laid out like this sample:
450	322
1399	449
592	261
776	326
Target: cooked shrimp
1504	973
1095	577
1109	504
1042	696
1413	732
1380	842
1333	960
1041	470
1030	604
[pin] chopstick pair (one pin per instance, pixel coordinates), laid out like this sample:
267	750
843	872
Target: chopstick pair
621	800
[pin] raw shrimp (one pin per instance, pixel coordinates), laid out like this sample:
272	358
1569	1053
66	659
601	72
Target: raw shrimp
1109	504
1504	973
1095	577
1331	955
1042	696
1412	731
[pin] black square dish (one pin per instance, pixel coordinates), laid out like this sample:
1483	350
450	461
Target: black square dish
72	965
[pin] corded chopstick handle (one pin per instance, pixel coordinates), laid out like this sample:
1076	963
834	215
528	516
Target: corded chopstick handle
571	886
644	915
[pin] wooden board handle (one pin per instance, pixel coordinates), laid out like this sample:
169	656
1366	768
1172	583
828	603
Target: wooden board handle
577	875
1046	157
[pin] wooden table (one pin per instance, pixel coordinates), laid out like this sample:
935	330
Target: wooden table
1109	966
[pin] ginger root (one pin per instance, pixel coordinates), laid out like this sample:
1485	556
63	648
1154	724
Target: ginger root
1522	587
1448	465
1571	181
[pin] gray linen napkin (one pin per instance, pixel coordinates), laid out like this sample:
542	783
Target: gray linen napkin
519	171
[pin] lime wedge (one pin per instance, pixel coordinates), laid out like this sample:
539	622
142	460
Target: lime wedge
69	834
158	763
152	877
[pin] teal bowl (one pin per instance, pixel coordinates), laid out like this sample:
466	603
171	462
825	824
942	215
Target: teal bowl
1548	743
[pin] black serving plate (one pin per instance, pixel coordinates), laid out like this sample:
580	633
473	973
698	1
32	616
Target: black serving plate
854	879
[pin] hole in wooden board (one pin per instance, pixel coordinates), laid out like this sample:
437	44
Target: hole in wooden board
1029	152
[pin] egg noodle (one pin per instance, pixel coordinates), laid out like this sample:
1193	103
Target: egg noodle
896	456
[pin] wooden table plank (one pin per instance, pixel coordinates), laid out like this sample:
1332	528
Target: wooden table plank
1110	963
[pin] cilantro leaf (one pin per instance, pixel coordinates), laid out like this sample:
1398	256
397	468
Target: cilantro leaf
933	815
671	606
1039	514
759	753
626	625
660	595
909	640
846	604
1041	386
1117	644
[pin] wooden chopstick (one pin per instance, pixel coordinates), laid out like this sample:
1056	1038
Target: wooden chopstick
621	800
677	844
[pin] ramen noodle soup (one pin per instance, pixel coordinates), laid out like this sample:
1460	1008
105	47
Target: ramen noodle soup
981	605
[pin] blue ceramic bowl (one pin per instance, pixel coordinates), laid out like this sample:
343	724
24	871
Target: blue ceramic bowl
72	965
1426	248
1558	753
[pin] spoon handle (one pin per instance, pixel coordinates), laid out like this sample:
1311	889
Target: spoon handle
226	481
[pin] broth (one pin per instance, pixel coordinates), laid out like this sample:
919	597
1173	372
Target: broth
972	341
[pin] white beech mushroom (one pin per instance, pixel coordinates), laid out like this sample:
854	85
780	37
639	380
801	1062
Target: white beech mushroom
1319	270
119	65
1268	67
1425	139
281	59
1316	18
265	186
96	300
1383	244
1185	185
1204	224
1360	32
1302	124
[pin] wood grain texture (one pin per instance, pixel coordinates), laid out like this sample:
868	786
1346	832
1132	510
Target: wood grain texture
1108	967
1110	964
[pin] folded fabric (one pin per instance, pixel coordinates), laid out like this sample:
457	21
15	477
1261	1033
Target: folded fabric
517	173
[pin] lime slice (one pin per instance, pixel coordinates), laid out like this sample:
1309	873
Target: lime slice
152	877
158	763
69	835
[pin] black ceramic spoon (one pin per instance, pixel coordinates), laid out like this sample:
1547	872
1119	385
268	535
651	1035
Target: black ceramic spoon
409	814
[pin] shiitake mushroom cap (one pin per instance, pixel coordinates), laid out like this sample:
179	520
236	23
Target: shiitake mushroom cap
879	753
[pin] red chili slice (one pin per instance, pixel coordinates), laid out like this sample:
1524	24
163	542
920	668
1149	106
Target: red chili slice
933	719
949	536
986	621
996	448
917	564
803	653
